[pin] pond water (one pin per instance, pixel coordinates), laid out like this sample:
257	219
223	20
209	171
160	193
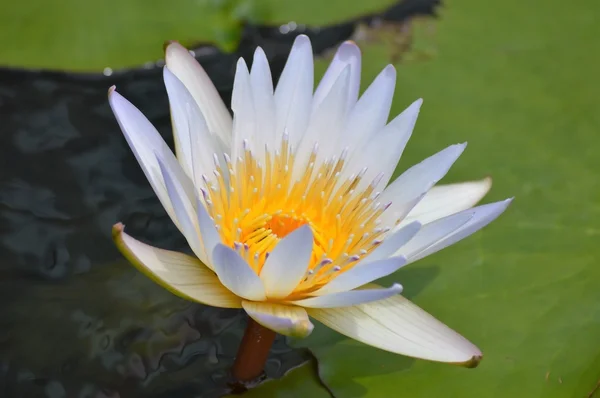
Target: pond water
76	319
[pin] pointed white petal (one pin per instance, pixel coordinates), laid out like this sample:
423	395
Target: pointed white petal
182	275
293	94
235	273
371	112
146	144
194	144
481	216
397	325
393	242
242	104
208	232
325	128
351	298
284	319
184	212
381	154
347	55
264	103
432	233
361	274
444	200
286	266
408	189
193	76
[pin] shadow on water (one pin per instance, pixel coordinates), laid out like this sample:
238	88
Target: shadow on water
76	320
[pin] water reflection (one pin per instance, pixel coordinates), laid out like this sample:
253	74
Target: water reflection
76	320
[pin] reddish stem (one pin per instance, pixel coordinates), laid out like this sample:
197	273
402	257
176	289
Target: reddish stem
253	352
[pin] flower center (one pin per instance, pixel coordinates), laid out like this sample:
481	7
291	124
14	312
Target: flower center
282	224
255	205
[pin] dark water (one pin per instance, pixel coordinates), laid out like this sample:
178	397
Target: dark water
75	319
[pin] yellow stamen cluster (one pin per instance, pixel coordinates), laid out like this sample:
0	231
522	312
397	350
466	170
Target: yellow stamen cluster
254	206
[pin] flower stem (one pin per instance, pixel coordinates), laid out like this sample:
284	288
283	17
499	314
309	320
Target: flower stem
253	352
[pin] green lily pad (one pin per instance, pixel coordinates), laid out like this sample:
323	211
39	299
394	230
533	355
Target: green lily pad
515	80
98	34
91	36
317	13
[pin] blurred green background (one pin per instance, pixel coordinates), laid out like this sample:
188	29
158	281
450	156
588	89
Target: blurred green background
519	82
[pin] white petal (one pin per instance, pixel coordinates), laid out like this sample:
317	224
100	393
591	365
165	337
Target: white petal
264	103
146	144
348	54
235	273
397	325
325	128
194	144
193	76
481	216
242	104
208	232
184	211
381	154
351	298
393	242
433	232
182	275
284	319
371	112
444	200
361	274
408	189
287	264
293	94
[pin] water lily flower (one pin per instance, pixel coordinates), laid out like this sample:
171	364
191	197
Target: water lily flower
289	207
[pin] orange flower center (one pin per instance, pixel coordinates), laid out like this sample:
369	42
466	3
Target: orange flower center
282	224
